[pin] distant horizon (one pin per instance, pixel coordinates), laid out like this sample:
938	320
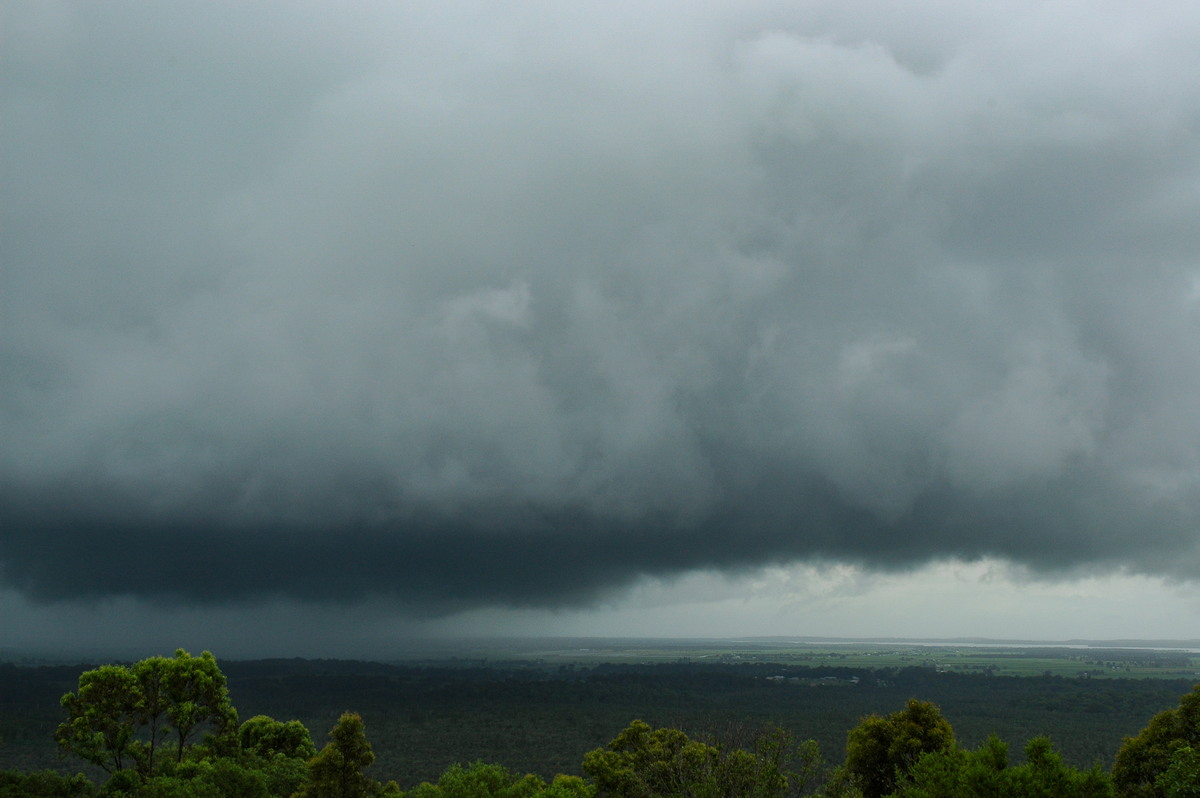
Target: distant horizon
452	647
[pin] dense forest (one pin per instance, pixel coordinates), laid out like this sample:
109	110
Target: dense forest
168	726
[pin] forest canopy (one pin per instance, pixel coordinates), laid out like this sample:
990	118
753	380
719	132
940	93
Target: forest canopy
165	727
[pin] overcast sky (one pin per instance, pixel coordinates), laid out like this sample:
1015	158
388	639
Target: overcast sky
328	324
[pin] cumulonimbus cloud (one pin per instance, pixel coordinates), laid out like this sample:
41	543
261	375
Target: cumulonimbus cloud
515	307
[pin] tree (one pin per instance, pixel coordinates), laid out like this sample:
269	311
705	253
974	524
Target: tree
197	697
985	773
266	737
1044	774
337	772
120	715
222	777
781	760
44	784
152	676
1181	779
278	751
1141	760
480	780
102	718
564	786
642	762
881	750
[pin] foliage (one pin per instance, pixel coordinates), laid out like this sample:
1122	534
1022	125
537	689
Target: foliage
882	750
218	778
985	773
120	718
44	784
266	737
168	787
564	786
120	715
102	718
1143	759
642	762
481	780
1045	775
196	697
1181	779
337	771
839	784
244	776
284	775
542	717
241	776
153	675
165	728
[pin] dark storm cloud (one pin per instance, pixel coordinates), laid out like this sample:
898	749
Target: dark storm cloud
466	306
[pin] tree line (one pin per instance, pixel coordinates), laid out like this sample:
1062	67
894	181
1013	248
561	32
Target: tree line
165	727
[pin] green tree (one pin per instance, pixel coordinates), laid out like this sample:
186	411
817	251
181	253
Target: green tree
840	785
277	750
152	676
197	698
1045	775
266	737
337	771
1141	760
1181	779
781	761
642	762
285	776
225	777
985	773
564	786
882	750
44	784
119	715
480	780
102	718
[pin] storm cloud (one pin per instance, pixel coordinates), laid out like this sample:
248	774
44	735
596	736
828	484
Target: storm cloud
468	305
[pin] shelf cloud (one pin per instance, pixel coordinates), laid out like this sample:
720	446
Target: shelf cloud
466	306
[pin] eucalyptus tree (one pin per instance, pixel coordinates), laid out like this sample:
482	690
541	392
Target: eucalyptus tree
337	771
152	675
1143	759
987	773
197	698
103	718
880	751
120	715
644	762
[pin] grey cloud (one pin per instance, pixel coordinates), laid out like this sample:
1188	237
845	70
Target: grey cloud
484	307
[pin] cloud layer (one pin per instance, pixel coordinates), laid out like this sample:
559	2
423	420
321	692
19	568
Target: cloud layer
466	306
